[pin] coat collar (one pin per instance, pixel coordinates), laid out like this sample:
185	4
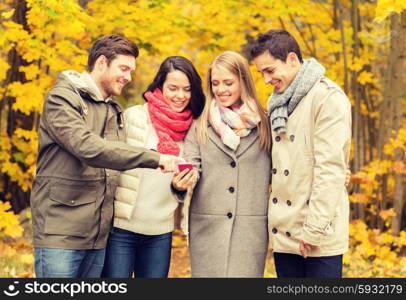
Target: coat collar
245	143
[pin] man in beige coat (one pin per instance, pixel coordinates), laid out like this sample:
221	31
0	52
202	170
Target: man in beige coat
311	133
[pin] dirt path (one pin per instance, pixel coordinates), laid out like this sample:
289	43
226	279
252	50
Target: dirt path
180	263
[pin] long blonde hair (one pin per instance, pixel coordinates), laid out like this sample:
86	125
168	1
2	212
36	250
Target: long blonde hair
238	65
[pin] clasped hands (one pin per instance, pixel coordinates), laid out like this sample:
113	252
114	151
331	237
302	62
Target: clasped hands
305	247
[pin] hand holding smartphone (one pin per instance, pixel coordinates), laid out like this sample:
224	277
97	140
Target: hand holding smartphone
182	166
185	178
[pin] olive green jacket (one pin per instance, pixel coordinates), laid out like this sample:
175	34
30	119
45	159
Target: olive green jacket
81	151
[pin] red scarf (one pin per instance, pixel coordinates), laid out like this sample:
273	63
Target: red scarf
169	125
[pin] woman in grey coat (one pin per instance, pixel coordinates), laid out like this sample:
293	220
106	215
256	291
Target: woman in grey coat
229	147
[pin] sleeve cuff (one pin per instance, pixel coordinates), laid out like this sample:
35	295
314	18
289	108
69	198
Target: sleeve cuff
314	229
179	195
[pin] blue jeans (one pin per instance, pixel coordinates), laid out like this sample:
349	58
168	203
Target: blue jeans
129	253
296	266
67	263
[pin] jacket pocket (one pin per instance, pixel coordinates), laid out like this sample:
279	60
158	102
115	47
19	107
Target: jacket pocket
308	150
71	210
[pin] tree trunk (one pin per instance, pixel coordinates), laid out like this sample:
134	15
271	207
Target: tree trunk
398	32
339	24
11	190
356	113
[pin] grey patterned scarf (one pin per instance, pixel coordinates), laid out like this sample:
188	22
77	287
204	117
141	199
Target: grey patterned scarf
280	106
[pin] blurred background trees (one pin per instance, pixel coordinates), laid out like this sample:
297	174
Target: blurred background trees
361	43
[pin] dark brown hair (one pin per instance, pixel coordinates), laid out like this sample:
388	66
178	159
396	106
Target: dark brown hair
110	46
180	63
278	42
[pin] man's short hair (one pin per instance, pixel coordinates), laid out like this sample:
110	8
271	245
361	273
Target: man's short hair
278	42
110	46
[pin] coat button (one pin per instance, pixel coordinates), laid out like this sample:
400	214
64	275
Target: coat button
292	137
286	172
275	200
307	202
72	202
233	164
277	138
287	233
274	230
288	203
231	189
274	170
229	215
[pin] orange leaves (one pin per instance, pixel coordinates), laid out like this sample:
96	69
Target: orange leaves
386	214
399	167
373	253
180	262
359	178
359	198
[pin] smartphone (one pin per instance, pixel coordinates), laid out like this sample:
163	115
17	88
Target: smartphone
183	166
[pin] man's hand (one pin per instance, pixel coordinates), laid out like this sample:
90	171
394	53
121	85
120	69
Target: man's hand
169	163
305	247
182	180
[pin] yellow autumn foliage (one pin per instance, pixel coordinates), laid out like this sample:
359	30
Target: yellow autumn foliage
60	32
9	224
373	253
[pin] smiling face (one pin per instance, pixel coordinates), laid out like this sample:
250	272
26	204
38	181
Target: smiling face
277	72
226	87
176	90
114	76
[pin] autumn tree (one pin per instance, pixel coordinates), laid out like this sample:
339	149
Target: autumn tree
361	43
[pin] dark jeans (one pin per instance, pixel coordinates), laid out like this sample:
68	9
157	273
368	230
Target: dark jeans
293	265
66	263
146	256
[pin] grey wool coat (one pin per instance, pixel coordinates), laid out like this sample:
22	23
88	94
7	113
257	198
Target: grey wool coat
228	223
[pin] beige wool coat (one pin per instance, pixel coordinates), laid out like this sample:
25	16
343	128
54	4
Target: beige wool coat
309	200
228	221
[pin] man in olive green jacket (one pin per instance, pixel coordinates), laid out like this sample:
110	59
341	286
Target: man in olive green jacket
81	151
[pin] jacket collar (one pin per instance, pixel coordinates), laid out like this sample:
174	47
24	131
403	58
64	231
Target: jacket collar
84	83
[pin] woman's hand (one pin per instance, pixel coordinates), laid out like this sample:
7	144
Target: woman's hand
187	178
